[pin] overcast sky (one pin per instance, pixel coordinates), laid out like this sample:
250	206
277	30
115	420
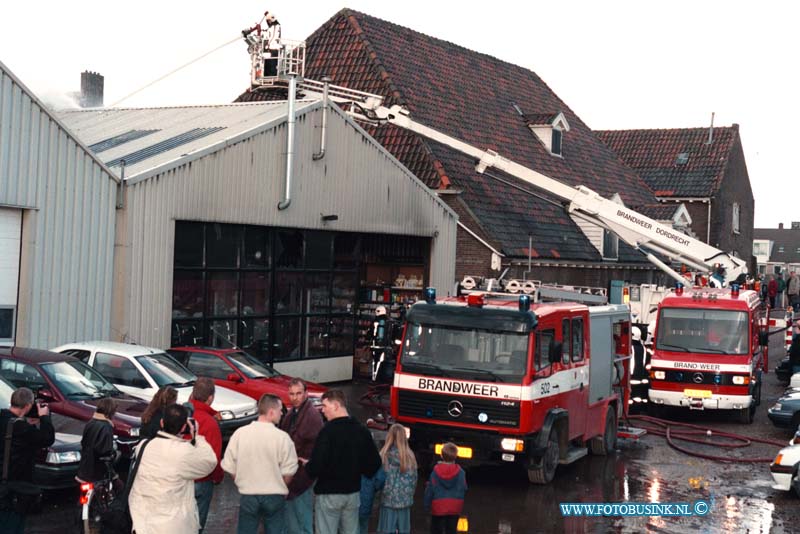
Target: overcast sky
618	65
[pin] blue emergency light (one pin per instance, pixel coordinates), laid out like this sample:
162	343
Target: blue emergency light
524	303
679	289
430	295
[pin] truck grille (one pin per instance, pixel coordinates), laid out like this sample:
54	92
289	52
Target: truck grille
699	378
439	407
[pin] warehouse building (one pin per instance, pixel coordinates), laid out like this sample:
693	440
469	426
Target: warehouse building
216	245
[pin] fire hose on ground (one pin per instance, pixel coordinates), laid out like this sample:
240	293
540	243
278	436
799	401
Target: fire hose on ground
672	431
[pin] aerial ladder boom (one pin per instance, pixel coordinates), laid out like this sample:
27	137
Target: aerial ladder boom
639	231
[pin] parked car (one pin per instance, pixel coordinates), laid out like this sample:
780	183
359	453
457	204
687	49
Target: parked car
140	371
238	370
784	467
72	389
786	410
57	465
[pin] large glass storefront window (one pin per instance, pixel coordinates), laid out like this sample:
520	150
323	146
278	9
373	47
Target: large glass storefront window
280	294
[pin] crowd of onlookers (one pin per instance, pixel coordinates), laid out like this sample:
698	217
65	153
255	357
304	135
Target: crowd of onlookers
295	472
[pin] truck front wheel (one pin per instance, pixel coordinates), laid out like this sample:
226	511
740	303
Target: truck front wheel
543	469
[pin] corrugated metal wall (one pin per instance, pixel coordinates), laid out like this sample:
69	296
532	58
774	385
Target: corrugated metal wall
68	203
243	183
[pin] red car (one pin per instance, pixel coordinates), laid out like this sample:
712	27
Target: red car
72	389
237	370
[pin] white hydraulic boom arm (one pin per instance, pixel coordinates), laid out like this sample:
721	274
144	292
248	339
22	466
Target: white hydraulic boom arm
633	228
640	232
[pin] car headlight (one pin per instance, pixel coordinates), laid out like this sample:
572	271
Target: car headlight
777	406
67	457
226	415
316	401
135	431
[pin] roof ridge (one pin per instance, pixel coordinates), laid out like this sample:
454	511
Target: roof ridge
734	127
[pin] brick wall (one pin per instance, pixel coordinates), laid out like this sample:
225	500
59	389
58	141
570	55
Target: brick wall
735	187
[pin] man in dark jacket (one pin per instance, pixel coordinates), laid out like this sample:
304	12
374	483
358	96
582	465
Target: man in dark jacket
97	442
27	440
303	423
208	427
343	452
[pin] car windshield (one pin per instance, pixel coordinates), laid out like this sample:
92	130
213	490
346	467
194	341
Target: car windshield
6	389
76	380
251	367
165	371
703	330
497	356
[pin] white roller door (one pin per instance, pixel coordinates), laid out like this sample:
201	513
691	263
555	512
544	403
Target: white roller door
10	235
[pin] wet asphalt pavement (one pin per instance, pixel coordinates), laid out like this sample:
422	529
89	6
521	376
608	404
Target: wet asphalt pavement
501	501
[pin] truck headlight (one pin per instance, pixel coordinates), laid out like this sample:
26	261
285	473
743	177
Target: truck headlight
659	375
741	380
226	415
67	457
135	431
512	445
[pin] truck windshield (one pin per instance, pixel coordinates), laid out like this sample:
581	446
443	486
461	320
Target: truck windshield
465	352
699	330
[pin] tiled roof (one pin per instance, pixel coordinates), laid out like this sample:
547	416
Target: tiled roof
472	97
659	212
677	162
536	119
786	238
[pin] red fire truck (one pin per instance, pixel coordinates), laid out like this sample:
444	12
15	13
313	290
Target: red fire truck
507	381
708	351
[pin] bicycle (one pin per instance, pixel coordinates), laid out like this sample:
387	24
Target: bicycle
96	497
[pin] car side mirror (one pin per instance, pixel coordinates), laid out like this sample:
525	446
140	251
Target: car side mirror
763	339
554	352
46	395
233	377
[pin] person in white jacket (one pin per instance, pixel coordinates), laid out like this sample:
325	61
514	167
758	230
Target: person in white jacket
162	497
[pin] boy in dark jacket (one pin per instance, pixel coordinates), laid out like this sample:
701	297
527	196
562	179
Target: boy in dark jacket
444	493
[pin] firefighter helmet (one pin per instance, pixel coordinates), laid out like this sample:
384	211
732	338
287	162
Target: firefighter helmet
636	333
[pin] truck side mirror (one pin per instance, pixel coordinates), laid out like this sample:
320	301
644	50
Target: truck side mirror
763	339
554	352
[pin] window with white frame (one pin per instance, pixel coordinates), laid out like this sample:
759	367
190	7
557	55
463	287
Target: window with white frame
735	221
760	248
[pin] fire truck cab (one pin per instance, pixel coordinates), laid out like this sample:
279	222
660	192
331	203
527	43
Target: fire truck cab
506	381
708	351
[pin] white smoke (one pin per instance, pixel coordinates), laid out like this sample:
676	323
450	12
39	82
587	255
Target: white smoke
59	100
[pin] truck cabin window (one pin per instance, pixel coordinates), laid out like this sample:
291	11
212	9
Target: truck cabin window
705	331
465	353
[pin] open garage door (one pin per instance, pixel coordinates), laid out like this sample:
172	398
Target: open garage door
10	236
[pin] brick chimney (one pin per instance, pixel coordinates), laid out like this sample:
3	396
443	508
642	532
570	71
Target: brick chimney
91	90
795	225
780	226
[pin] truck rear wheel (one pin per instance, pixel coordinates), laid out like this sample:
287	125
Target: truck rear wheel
603	445
544	470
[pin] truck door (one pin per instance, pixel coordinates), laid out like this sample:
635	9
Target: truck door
575	361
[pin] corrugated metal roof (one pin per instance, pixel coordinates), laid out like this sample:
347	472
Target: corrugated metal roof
180	131
117	140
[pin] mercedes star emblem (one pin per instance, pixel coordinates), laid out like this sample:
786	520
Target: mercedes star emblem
455	408
697	378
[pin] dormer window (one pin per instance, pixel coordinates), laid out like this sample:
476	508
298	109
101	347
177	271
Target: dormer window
549	129
555	145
